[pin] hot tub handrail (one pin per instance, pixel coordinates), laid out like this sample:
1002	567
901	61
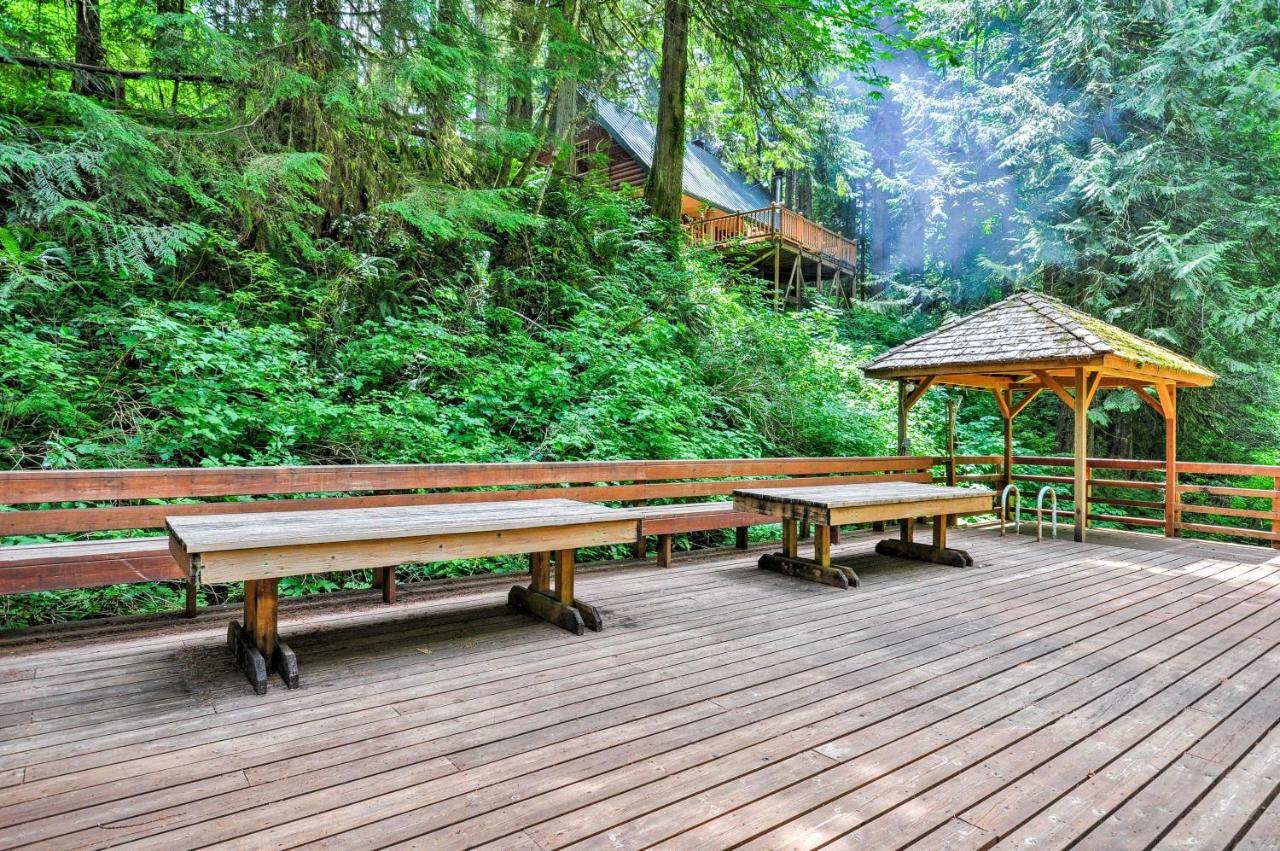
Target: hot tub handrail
1004	509
1053	518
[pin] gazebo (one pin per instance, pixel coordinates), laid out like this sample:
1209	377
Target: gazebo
1030	343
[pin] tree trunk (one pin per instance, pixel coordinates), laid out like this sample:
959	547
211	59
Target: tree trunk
167	41
89	51
804	194
566	77
524	33
664	189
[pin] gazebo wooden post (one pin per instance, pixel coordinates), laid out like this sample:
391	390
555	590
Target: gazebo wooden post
1087	384
952	404
1080	469
1004	401
902	416
1169	402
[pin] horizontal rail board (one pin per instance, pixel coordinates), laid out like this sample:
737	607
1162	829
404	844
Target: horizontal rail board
1188	508
74	520
40	486
1097	463
1127	521
1117	484
1211	469
1216	490
1229	530
1127	503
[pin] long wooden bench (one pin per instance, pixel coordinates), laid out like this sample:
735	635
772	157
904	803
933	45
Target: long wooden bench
85	502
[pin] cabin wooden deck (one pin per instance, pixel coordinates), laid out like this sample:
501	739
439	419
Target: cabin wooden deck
1056	693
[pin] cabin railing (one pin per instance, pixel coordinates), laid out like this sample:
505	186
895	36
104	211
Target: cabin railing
775	222
1239	501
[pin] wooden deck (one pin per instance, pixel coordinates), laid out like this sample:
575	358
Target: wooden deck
1053	694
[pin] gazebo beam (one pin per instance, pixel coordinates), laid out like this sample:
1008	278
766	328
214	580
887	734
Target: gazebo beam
906	401
1009	410
1032	393
1145	395
1053	384
921	386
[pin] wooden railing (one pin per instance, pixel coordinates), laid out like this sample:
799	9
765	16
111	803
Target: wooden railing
775	222
1239	501
80	503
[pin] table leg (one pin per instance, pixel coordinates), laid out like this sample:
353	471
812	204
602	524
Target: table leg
823	538
257	645
559	606
819	569
938	552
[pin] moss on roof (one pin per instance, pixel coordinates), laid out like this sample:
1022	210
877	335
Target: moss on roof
1027	327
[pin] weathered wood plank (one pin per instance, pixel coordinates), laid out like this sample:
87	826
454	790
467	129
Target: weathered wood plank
37	486
723	706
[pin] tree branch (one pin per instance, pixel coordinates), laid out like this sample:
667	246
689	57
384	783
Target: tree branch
59	65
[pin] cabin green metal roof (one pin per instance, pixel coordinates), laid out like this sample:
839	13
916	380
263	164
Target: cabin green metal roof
705	177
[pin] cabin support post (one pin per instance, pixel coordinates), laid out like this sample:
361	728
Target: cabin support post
777	273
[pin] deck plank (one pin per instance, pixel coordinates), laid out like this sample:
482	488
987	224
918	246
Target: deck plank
1096	694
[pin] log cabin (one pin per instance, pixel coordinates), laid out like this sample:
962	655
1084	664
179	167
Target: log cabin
724	209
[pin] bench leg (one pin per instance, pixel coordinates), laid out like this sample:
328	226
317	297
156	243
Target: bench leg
664	550
937	553
803	568
556	606
388	584
257	645
640	549
818	569
191	599
835	534
740	537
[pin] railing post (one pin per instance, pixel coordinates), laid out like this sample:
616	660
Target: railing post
1275	513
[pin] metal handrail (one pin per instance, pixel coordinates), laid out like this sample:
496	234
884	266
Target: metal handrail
1004	509
1053	521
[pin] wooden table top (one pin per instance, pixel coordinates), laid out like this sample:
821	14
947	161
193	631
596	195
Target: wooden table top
856	496
222	532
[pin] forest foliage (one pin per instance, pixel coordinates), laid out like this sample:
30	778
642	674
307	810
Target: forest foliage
308	232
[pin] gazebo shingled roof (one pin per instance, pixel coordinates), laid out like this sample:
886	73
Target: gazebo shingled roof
1032	330
1031	342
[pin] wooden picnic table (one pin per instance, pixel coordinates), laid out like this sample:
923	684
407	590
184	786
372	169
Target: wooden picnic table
260	548
828	507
